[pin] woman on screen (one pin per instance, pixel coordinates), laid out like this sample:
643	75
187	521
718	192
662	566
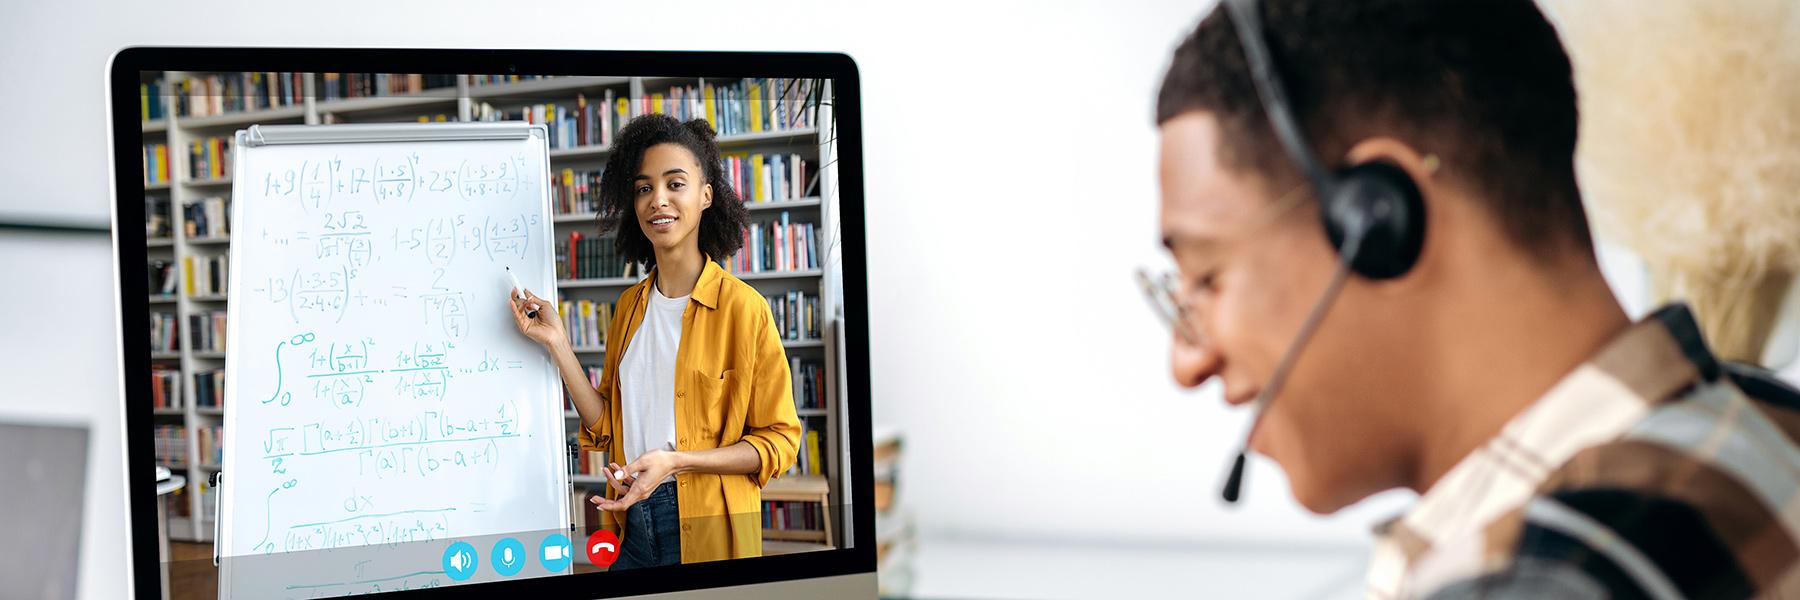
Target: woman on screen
695	397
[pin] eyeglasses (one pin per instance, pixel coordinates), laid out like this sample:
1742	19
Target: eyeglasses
1164	290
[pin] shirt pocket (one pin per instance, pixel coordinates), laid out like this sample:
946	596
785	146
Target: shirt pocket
721	407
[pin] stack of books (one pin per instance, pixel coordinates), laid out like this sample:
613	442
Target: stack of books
208	329
156	164
586	322
162	332
796	315
209	158
894	537
220	93
777	245
762	178
206	217
209	388
165	386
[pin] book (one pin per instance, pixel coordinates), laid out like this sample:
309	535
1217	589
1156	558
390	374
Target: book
760	178
571	123
165	388
206	218
760	104
586	322
776	245
156	164
208	94
341	86
171	445
576	192
206	275
153	102
156	216
809	382
796	315
210	445
499	79
162	332
209	158
162	278
206	331
209	388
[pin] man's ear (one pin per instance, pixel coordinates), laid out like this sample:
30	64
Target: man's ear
1420	167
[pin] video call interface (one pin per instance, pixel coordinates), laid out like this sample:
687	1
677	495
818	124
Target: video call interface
369	295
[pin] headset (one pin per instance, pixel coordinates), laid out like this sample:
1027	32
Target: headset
1372	211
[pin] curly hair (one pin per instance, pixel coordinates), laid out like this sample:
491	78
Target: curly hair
1484	83
721	225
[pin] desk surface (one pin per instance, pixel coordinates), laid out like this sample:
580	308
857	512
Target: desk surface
1048	570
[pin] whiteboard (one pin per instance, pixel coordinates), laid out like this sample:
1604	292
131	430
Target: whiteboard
377	391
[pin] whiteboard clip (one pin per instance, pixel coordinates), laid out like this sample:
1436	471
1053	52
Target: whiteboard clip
218	478
254	137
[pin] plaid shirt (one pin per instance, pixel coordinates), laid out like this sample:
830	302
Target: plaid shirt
1653	470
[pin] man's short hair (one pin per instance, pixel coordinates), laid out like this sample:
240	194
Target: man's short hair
1482	84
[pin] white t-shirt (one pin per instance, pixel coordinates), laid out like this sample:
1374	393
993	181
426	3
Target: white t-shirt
647	381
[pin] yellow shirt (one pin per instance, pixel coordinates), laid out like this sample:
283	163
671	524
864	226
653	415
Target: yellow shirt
731	383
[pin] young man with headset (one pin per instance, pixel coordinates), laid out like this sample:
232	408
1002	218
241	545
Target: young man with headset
1381	246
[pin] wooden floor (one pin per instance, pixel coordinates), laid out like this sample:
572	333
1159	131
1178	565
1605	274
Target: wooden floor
192	575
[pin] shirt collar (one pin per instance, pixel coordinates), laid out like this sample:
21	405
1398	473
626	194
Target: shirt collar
706	290
1649	363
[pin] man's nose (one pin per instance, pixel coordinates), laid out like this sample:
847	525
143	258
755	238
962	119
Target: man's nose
1193	364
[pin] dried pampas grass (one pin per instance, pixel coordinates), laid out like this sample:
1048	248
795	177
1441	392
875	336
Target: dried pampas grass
1689	149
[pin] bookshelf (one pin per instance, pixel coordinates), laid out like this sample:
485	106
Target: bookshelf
309	100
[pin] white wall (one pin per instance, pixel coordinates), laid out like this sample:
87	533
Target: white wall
1010	169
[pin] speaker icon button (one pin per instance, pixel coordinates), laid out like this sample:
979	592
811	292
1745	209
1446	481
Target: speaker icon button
460	561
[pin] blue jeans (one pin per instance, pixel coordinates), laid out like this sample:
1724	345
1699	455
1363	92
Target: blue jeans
652	532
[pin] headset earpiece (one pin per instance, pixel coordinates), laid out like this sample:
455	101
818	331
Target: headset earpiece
1381	200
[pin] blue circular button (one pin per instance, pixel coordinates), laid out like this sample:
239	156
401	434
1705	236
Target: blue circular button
555	552
460	561
509	556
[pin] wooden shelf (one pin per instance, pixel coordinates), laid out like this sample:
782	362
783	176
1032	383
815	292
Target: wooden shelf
801	204
426	99
798	535
541	87
208	354
209	298
234	119
812	202
746	139
165	356
156	126
211	240
159	242
162	298
167	412
210	410
209	182
156	187
579	152
598	283
775	547
767	275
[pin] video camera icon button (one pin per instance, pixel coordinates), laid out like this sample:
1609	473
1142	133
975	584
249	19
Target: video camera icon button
556	552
